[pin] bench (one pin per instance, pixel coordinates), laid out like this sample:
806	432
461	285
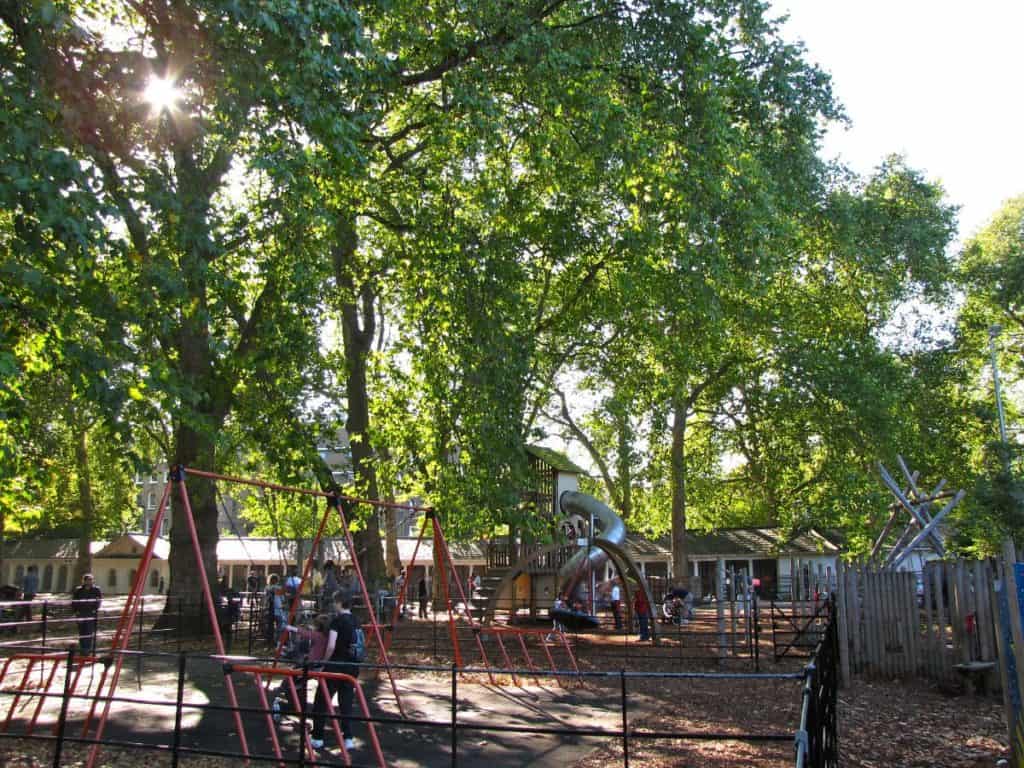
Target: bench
976	671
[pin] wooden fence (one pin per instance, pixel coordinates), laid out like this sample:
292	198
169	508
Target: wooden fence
939	625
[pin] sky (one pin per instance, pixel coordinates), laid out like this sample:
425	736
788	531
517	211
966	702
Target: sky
939	82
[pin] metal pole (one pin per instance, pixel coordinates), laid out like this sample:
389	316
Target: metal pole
301	702
757	635
455	716
45	602
63	718
138	660
625	719
177	710
994	332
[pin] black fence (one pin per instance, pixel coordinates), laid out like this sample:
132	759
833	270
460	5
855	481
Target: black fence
817	742
816	739
458	732
730	632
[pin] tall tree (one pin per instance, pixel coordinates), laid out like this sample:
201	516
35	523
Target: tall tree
198	152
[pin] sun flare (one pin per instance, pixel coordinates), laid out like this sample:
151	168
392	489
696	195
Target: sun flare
161	94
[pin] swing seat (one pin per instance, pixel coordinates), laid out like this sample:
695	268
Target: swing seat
574	619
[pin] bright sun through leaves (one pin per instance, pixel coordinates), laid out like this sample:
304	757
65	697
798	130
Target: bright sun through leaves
161	94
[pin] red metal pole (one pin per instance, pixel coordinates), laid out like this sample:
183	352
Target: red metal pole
42	698
306	491
373	731
447	597
17	696
211	609
271	729
124	625
462	593
297	600
401	598
572	656
529	659
508	661
551	661
300	705
369	607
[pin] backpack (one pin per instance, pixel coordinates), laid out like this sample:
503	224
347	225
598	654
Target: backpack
357	648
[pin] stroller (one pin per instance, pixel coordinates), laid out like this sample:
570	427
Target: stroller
677	608
297	651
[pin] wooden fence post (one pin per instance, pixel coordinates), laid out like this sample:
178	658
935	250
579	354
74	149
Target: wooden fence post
1003	633
843	626
941	611
930	647
854	602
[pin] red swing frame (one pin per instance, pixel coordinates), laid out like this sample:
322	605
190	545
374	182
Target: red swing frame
130	611
448	571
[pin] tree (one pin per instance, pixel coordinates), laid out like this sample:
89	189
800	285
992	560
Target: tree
216	275
992	276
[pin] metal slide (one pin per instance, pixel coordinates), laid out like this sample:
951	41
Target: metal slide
583	563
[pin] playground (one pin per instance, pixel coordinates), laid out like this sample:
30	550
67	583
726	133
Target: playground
728	683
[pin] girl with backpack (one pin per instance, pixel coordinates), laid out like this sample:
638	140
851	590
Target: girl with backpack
309	648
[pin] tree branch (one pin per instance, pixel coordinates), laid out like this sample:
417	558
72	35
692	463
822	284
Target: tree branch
585	441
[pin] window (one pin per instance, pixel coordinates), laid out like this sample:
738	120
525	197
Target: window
151	500
19	574
165	526
154	578
154	478
62	579
138	478
149	526
48	578
112	578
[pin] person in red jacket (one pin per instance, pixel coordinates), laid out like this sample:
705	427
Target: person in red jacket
642	611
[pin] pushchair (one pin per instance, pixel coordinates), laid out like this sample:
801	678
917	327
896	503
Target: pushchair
677	609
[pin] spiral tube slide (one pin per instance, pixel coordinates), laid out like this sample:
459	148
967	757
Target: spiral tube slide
612	530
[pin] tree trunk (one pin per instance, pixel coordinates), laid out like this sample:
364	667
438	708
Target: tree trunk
357	338
83	564
193	448
195	437
624	461
680	555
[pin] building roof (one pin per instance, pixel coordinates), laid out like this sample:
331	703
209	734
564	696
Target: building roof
726	543
553	458
262	550
132	545
738	542
46	549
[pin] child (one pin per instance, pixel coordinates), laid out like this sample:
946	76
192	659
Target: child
560	605
314	643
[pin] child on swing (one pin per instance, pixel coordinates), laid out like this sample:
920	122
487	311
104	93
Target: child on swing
309	644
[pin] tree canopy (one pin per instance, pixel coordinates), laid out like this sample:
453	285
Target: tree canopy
445	232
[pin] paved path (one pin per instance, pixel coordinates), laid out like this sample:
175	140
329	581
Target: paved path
425	697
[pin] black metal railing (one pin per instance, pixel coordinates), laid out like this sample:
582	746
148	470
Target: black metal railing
461	730
817	740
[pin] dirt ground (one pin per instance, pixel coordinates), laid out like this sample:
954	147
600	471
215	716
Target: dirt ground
882	724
